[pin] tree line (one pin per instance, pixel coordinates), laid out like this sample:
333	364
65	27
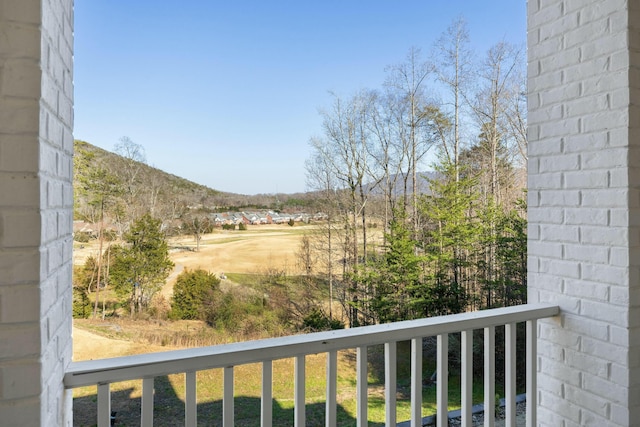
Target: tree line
453	239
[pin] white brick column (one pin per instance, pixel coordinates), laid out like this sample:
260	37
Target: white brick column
36	205
584	207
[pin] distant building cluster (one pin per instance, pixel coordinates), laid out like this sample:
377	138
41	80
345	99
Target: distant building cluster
268	217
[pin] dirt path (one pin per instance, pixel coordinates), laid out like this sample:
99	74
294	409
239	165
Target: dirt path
167	289
89	346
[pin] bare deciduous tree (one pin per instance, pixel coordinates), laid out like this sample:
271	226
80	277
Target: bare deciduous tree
454	70
407	83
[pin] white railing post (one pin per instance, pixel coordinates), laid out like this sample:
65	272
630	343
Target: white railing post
266	402
532	371
227	397
390	382
489	376
146	404
416	382
332	388
104	405
299	408
510	374
442	380
466	377
362	386
190	399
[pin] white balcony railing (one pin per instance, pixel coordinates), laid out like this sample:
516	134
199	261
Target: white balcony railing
148	366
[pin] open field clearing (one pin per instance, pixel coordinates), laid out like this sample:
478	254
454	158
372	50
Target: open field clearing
227	251
242	251
246	252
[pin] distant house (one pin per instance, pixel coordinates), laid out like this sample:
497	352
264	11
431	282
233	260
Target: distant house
250	218
218	219
84	227
237	218
281	218
262	218
320	216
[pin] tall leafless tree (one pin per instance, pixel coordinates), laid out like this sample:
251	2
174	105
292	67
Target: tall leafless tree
407	82
128	167
499	91
453	61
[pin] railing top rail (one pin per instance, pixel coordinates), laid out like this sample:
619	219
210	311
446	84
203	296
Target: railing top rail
149	365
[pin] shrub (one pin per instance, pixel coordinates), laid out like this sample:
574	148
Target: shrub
81	303
83	279
192	291
317	320
159	308
109	235
242	226
82	237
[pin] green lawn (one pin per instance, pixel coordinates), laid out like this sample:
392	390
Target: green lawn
169	397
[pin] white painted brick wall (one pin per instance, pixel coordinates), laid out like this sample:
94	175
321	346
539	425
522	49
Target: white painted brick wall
584	207
36	202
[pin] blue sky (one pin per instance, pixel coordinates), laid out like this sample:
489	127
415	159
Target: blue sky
227	93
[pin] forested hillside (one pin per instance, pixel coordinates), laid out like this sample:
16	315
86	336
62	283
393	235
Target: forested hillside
122	186
126	185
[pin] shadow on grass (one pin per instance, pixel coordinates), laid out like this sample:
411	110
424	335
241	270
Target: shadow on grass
169	410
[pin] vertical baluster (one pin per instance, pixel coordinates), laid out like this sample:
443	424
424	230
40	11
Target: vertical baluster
467	377
416	382
266	406
227	398
532	384
104	405
146	412
190	400
362	386
332	388
442	373
510	374
390	382
299	392
489	376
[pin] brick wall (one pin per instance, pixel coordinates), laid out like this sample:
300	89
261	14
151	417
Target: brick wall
36	202
583	208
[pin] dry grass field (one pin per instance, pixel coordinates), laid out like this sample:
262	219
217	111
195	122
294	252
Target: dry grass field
242	251
248	252
232	251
